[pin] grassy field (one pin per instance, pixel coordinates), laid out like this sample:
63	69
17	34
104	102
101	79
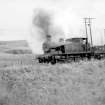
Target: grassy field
25	82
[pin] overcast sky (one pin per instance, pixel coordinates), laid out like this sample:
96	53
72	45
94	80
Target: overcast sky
16	17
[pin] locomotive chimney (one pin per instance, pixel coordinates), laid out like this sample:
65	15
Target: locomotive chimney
48	38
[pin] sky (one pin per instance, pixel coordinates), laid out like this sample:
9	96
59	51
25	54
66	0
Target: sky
16	17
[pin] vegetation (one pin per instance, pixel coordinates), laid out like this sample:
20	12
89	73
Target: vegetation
25	82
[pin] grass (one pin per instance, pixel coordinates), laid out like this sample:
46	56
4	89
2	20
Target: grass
25	82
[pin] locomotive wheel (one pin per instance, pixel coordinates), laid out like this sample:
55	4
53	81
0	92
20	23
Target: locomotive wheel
40	60
53	60
98	57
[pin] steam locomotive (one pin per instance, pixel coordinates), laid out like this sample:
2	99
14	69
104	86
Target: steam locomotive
72	49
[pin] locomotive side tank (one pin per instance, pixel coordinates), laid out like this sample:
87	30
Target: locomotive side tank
51	47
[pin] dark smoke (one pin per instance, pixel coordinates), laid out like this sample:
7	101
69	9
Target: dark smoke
43	21
56	33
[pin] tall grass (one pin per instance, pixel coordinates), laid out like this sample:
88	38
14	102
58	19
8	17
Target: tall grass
29	83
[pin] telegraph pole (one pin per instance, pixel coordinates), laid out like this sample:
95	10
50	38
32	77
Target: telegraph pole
88	24
90	31
86	33
86	28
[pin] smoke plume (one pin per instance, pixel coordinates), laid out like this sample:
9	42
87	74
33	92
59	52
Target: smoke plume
42	20
43	25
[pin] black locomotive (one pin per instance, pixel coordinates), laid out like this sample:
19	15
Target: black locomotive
72	49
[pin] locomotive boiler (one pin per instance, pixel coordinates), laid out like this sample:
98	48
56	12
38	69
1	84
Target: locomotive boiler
72	49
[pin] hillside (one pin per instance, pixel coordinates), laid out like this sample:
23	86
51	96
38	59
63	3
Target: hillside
14	47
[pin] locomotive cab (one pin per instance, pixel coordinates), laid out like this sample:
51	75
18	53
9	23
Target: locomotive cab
77	45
